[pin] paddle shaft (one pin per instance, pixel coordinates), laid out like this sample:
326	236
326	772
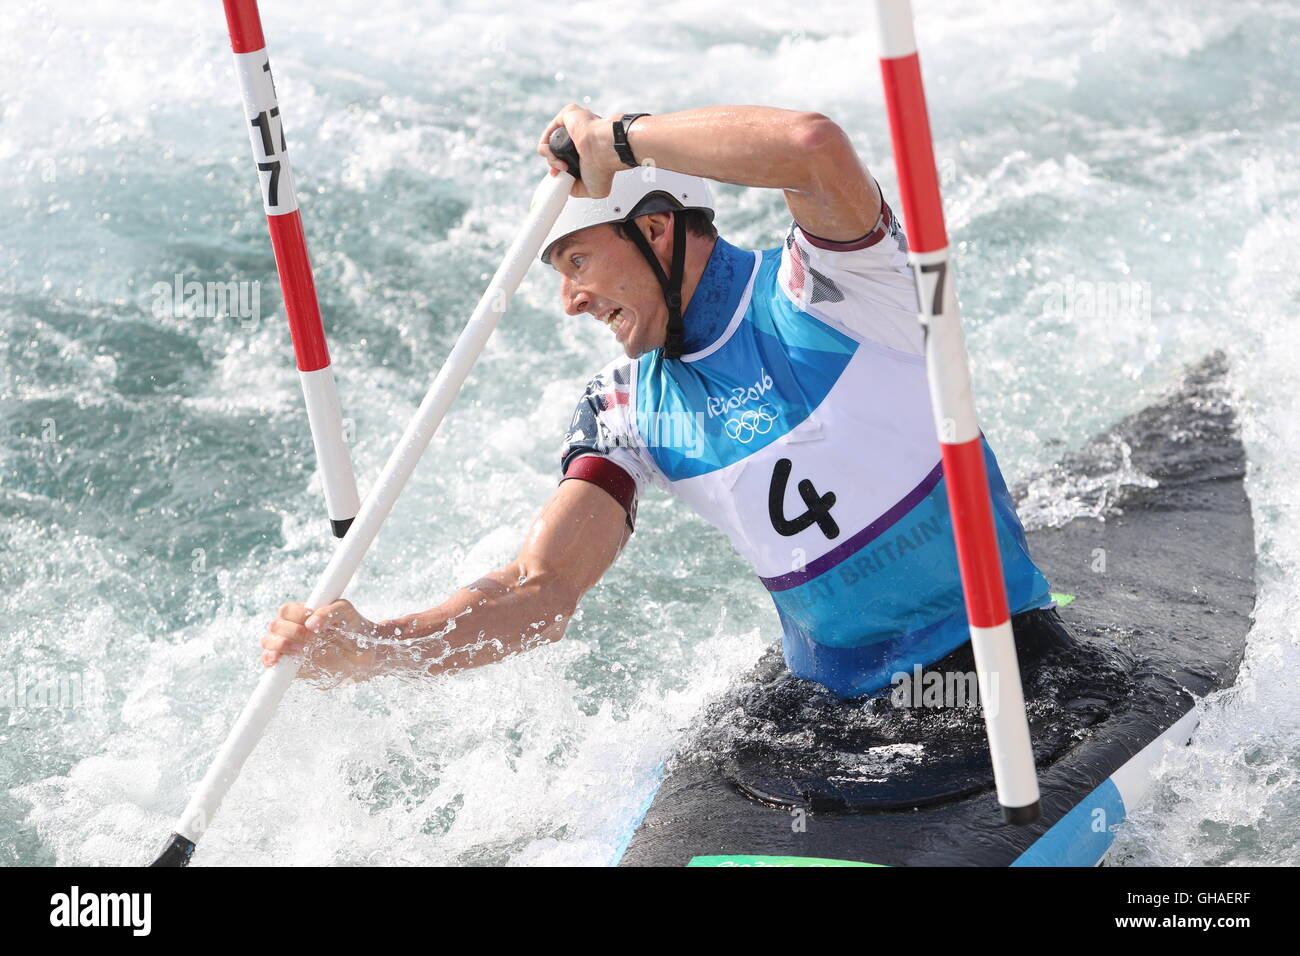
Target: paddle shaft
548	201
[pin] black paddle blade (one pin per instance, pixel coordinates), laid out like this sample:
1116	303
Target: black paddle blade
1022	816
176	853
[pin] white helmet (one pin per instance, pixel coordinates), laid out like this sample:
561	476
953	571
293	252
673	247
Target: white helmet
637	192
633	192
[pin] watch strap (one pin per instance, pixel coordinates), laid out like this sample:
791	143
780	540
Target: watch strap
620	137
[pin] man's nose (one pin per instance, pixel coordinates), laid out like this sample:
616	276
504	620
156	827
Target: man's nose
575	300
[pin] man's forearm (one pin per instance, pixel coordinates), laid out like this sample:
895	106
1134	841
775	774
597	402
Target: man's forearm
746	145
496	616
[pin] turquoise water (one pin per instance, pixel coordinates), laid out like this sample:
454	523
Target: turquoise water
1119	181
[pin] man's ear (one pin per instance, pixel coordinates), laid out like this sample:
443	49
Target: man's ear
659	224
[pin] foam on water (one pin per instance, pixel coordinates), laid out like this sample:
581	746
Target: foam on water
157	490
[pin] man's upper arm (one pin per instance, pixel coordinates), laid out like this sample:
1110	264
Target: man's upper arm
576	538
840	201
845	258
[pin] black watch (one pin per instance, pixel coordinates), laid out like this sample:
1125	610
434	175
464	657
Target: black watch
620	137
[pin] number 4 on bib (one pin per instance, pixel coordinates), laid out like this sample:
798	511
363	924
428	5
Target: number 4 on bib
819	506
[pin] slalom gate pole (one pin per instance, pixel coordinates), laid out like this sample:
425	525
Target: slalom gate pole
961	443
547	203
266	132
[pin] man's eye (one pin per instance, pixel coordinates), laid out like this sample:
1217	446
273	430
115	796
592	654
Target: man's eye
575	260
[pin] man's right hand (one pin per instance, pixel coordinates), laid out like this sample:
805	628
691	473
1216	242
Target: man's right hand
327	638
593	138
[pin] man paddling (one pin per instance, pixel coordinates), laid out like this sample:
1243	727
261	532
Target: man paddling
781	394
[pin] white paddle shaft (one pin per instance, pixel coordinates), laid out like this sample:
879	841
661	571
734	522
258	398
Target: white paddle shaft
547	203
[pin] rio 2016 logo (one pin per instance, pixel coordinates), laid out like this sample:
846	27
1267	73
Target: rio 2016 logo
751	422
721	404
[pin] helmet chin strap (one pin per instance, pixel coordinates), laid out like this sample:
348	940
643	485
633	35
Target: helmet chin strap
671	284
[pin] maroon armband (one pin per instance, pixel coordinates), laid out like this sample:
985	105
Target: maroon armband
610	477
865	242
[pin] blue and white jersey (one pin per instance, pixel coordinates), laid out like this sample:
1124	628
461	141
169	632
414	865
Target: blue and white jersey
802	428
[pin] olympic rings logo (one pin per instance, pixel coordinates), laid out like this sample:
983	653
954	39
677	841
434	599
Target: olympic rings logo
754	421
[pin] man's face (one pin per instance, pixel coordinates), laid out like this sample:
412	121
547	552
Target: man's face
603	273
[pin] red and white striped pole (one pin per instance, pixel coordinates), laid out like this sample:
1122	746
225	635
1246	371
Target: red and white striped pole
996	664
291	260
